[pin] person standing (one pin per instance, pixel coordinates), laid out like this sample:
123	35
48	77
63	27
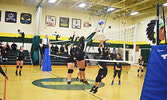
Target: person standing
117	69
45	43
140	66
14	46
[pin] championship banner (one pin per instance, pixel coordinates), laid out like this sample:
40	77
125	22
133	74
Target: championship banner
51	21
155	82
25	18
64	22
10	17
76	23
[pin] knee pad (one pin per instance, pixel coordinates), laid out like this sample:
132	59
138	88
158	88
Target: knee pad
80	69
70	70
98	79
21	66
138	70
141	70
17	67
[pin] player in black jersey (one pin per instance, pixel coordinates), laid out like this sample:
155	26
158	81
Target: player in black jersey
80	60
103	67
20	57
117	69
70	62
3	73
140	66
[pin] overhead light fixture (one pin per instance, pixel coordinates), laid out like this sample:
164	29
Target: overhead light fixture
110	9
165	4
52	1
134	13
82	5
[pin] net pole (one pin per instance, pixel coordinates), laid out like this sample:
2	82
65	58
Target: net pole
134	44
124	32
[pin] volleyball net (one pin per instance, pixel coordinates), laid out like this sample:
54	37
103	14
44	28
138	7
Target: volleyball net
125	41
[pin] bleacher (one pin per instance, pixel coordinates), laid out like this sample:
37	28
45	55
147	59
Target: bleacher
12	58
58	60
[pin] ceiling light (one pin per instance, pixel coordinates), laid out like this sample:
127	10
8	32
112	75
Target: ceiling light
52	1
110	9
82	5
165	4
134	13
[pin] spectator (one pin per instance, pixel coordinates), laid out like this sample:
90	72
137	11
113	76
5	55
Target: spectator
52	49
7	47
56	49
1	47
0	57
62	49
14	46
5	56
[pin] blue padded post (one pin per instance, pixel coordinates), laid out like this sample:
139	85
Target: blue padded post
46	61
155	82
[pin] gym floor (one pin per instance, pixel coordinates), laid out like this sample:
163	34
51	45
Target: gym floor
37	85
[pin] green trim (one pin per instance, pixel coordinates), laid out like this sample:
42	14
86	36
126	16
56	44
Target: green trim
61	84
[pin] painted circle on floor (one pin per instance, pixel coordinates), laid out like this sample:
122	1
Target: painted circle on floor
61	84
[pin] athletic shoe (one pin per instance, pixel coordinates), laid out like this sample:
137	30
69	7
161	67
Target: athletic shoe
16	73
112	83
81	80
20	73
77	78
119	83
95	90
91	89
69	83
86	82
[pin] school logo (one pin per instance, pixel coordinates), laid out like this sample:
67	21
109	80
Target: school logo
61	84
25	18
10	17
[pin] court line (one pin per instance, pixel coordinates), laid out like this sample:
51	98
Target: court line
82	90
93	95
53	74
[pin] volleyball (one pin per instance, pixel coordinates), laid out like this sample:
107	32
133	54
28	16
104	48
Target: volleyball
100	22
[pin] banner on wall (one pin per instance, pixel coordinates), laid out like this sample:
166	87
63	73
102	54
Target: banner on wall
51	21
86	24
76	23
0	16
64	22
10	17
25	18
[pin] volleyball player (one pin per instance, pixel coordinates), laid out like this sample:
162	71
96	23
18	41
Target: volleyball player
3	73
20	56
70	62
80	60
140	66
103	67
117	69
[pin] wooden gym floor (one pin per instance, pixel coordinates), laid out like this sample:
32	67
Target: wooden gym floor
37	85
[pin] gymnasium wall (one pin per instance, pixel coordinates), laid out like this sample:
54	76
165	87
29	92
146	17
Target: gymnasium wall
10	29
